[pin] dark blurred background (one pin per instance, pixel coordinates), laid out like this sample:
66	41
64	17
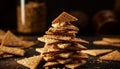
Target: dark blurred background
8	17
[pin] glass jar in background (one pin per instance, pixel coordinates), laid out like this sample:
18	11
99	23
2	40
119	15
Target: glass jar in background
31	16
105	22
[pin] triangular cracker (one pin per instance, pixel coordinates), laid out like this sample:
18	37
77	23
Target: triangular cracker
65	38
96	52
31	62
106	43
112	40
47	40
64	17
113	56
11	50
11	40
79	40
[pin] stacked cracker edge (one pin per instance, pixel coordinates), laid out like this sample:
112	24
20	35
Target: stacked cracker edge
61	45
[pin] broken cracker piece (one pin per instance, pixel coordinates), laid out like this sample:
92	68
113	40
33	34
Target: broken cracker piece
31	62
113	56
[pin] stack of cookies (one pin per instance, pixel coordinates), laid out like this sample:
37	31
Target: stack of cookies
61	45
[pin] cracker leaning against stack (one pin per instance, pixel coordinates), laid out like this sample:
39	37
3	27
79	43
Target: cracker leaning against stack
61	45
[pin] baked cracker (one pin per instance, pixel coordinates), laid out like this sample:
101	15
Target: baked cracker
112	40
11	50
58	37
113	56
96	52
11	40
64	17
31	62
47	40
106	43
